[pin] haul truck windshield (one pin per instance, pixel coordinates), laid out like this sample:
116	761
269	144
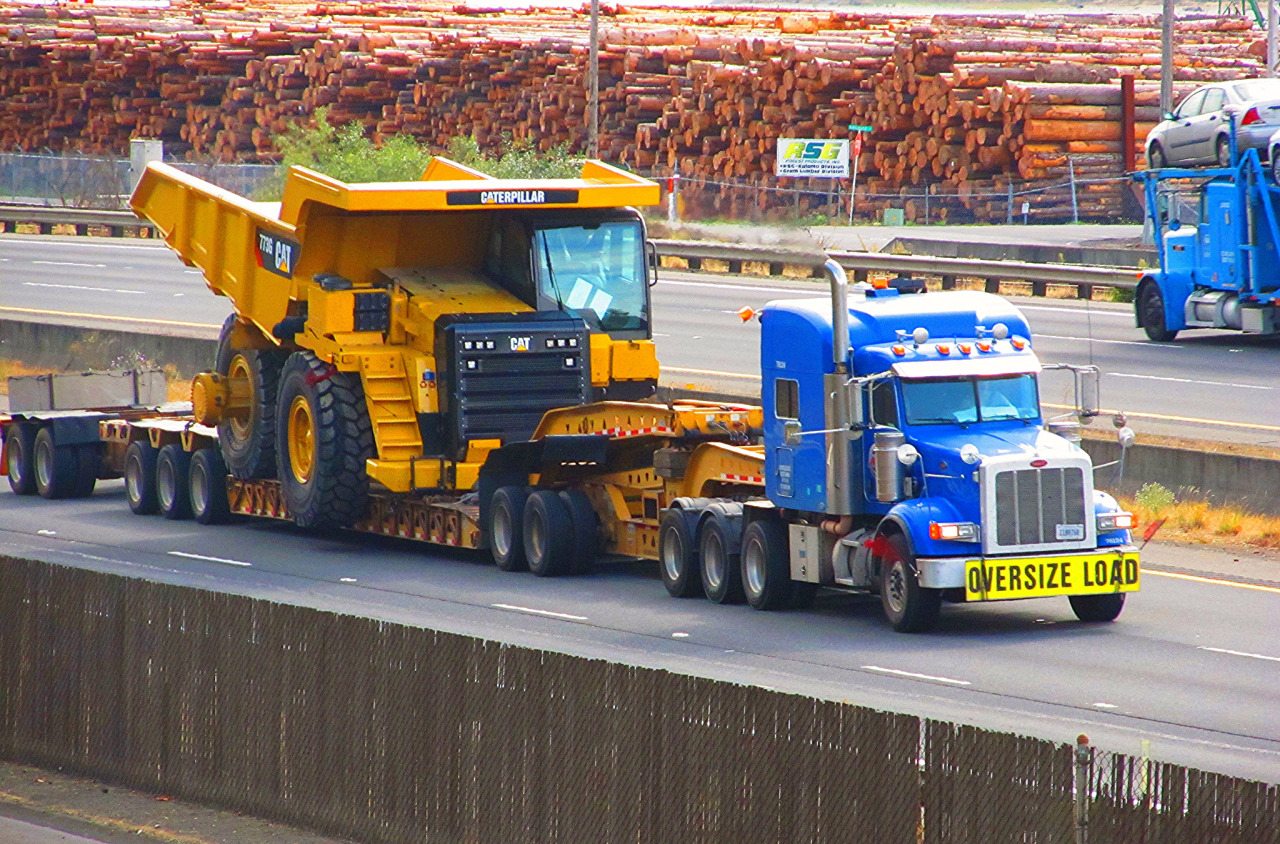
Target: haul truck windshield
597	270
963	401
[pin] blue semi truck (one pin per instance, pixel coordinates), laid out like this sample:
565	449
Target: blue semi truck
904	453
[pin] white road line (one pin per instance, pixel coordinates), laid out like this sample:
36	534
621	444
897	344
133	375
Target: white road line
1100	341
156	245
81	287
1239	653
70	264
915	676
546	613
1126	315
1188	381
209	559
1101	705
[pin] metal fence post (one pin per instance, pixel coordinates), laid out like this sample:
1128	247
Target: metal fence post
1008	221
1071	173
1084	762
673	197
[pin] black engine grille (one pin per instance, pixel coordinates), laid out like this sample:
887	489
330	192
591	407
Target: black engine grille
1040	506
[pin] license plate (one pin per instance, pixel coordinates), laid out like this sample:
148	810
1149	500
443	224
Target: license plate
1001	579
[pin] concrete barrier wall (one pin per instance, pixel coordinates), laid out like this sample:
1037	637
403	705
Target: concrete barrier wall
1251	482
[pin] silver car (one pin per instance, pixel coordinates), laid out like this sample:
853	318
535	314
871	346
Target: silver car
1198	131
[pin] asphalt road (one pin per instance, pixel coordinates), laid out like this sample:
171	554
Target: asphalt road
1190	668
1206	385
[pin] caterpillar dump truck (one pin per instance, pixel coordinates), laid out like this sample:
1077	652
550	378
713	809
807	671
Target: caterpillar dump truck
436	361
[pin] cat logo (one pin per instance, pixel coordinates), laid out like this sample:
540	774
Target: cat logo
275	254
520	344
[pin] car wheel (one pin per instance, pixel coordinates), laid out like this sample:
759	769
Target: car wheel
1223	152
1275	164
1156	158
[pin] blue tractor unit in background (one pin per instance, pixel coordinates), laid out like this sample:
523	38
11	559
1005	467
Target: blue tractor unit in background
904	454
1221	270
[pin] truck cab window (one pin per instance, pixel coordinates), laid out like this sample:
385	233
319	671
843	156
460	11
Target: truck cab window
883	402
964	401
786	398
507	259
597	269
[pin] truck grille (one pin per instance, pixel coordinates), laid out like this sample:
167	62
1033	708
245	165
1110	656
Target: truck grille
1040	506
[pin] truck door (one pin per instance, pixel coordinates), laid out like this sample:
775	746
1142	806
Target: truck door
1220	238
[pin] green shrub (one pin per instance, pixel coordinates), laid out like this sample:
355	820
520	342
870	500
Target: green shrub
1155	498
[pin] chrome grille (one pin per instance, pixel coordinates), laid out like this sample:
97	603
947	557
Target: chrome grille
1040	506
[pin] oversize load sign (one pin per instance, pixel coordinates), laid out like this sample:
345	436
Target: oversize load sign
997	579
810	157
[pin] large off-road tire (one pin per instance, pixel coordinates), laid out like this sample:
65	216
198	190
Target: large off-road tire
173	492
248	441
586	524
909	607
548	534
719	561
140	478
1156	159
19	443
678	556
506	528
55	466
207	481
1097	607
766	566
323	438
1150	307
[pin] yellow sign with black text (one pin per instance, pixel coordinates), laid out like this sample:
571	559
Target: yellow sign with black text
1001	579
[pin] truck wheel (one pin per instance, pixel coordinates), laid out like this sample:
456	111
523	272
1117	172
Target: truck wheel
1151	312
248	442
909	607
140	478
19	443
323	439
721	568
87	464
766	566
506	528
548	534
585	526
207	481
173	467
55	467
1097	607
677	556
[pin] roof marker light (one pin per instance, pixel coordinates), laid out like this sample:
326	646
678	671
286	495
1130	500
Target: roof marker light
984	346
899	350
964	348
1019	343
944	349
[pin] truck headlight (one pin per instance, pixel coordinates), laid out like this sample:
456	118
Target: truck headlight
960	531
1108	522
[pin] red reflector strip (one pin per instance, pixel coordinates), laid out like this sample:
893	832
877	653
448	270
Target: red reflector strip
746	479
636	432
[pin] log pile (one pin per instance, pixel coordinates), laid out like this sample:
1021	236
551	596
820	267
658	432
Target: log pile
967	107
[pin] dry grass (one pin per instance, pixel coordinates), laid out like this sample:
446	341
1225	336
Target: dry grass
1201	523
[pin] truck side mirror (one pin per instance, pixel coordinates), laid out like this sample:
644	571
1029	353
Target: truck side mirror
651	261
1088	387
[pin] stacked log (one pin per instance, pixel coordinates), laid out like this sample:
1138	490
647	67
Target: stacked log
967	107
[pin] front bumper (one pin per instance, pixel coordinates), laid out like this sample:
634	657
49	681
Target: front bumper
1098	572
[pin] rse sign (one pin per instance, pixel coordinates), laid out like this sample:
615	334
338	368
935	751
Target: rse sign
825	158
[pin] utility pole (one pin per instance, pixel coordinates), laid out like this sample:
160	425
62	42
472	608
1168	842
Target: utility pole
593	82
1166	58
1272	58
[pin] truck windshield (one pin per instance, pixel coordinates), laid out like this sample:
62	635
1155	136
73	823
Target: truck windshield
964	401
596	269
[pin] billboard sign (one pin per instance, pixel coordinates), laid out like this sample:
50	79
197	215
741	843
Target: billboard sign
826	158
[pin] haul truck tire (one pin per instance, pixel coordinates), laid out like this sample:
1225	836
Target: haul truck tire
1151	310
506	528
721	567
140	478
1097	607
548	534
20	441
55	466
909	607
207	481
248	441
678	556
585	530
323	438
173	467
766	566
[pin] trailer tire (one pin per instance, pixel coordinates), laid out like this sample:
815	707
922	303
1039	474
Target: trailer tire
324	437
909	607
766	566
678	556
548	534
1151	313
249	445
1097	607
207	481
140	478
585	530
506	528
173	493
720	567
87	464
20	465
55	466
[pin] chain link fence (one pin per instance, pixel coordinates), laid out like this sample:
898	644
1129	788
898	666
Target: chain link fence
382	732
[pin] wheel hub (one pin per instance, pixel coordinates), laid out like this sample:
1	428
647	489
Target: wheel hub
302	440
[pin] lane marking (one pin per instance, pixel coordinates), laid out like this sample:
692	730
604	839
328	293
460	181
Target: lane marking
1101	705
157	245
1239	653
209	559
547	613
1133	414
1100	341
140	320
1188	381
69	264
710	372
1275	590
915	676
82	287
